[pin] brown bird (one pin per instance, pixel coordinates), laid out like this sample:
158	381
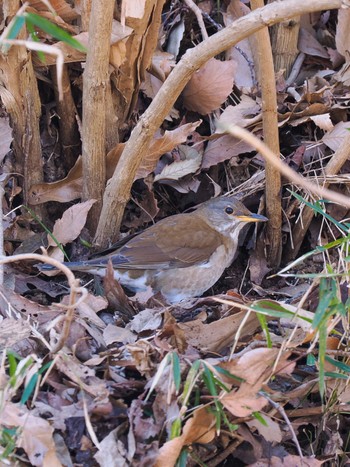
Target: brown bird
181	256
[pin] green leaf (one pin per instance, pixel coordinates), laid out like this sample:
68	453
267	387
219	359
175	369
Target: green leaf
271	308
228	374
176	371
175	428
331	374
12	363
209	381
29	388
260	418
263	324
322	331
182	460
35	38
342	366
317	208
54	31
14	30
190	380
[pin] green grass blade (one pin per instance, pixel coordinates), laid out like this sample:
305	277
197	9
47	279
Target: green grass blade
176	371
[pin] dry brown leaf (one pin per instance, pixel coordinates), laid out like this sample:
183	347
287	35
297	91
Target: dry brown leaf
252	365
165	143
13	331
114	333
71	187
61	7
255	367
247	112
83	376
63	191
215	336
179	169
342	36
198	429
334	138
308	44
5	137
112	452
244	401
224	148
243	53
271	430
210	86
35	434
71	223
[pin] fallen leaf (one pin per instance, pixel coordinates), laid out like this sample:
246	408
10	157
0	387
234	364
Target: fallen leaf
308	44
246	112
224	148
334	138
71	187
198	429
112	452
215	336
165	143
342	36
5	137
179	169
34	436
114	333
71	223
210	86
271	430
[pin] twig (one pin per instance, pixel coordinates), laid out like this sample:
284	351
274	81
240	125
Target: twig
285	170
338	159
73	284
197	11
281	410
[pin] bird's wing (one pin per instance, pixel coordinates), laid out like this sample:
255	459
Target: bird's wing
177	242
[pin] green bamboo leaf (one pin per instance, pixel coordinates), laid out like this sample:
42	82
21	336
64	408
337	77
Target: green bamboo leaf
209	381
176	371
52	29
342	366
182	460
28	390
331	374
322	343
260	418
228	374
15	27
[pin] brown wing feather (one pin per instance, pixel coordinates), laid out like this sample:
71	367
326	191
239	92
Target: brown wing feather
166	245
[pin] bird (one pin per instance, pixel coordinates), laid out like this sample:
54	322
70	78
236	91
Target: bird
181	256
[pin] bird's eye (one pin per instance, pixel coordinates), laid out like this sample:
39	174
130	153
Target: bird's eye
229	210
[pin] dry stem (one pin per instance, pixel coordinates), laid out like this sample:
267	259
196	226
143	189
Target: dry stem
271	138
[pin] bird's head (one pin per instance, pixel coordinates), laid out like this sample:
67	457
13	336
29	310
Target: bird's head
227	214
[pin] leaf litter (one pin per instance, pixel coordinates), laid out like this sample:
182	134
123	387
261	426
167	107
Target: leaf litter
139	382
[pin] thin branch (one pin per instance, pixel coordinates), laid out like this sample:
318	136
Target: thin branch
285	170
